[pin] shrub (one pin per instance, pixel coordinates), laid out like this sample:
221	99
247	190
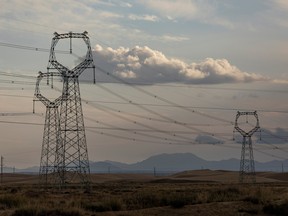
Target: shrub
276	209
141	200
25	212
179	200
252	199
253	211
95	207
178	203
264	194
45	212
11	201
115	204
222	195
102	206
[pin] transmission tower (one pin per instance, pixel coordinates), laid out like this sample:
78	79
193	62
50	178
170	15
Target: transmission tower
49	172
74	165
247	166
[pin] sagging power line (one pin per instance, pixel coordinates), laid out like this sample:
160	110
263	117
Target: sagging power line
225	89
17	46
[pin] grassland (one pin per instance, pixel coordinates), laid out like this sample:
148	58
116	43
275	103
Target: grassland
189	193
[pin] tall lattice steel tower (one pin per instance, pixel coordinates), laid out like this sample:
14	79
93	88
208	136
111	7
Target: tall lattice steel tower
49	164
74	165
247	166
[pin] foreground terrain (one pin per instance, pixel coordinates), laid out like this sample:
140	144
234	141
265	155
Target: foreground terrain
202	192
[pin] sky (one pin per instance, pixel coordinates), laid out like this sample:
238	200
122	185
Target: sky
170	76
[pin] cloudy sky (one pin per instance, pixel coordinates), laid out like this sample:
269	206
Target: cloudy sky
171	75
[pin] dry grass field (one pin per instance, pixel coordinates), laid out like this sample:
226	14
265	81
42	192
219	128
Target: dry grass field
201	192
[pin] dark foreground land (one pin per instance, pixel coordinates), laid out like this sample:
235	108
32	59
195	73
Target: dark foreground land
202	192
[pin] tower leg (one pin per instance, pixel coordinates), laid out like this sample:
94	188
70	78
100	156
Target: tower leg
247	166
48	173
75	163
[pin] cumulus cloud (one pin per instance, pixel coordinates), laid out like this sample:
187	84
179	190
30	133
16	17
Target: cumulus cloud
145	65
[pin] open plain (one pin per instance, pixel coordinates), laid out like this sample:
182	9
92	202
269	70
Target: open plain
199	192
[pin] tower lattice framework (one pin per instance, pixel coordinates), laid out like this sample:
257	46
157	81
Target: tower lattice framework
73	153
247	165
49	163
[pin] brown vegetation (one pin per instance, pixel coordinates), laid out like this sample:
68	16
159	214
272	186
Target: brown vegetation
126	195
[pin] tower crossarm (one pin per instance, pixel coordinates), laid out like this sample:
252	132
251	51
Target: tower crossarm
54	64
242	132
253	130
70	35
48	103
82	66
78	69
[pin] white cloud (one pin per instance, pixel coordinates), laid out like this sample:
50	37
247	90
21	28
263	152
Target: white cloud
126	4
184	9
106	14
220	22
67	14
278	81
143	64
203	11
281	4
170	38
146	17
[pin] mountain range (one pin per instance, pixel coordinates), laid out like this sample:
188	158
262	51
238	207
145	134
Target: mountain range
171	163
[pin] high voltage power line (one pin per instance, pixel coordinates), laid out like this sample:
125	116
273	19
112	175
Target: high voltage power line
156	104
117	114
148	141
158	98
153	105
115	128
152	95
17	46
3	73
17	82
216	133
155	96
31	48
171	105
137	84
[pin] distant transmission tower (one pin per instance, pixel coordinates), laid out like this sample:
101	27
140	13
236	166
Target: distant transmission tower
74	165
49	163
247	166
